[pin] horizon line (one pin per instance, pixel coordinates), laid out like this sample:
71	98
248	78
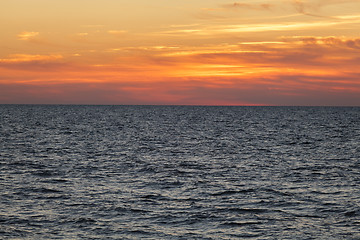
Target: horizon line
172	105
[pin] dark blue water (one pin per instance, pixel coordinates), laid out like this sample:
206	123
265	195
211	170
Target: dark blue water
179	172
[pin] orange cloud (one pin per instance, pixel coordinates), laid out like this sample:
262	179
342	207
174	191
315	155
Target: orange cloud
31	63
36	38
26	36
289	71
18	58
230	29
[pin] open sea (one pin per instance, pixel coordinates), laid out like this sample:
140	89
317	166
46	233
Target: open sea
179	172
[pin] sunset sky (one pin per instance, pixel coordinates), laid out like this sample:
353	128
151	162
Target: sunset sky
191	52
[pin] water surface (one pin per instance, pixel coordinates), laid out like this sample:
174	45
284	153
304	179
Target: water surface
179	172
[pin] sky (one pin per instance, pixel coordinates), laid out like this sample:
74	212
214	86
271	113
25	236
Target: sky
188	52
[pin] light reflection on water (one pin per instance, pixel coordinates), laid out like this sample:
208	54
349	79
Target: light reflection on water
161	172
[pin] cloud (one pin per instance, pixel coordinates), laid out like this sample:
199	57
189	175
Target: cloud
208	13
331	42
35	38
303	8
18	58
299	6
315	5
239	5
221	29
303	70
311	8
270	27
26	36
33	63
288	67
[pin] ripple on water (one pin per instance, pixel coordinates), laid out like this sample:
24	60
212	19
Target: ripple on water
176	172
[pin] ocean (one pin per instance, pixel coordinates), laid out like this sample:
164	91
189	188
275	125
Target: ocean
179	172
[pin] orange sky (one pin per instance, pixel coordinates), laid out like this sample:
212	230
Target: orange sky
198	52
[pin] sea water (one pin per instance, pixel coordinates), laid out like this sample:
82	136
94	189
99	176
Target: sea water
179	172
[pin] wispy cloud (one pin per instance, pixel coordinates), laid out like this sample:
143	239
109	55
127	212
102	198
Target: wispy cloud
263	27
253	6
304	7
18	58
26	36
32	63
220	12
312	8
331	41
36	38
296	70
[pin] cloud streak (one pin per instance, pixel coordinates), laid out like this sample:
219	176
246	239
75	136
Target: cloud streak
27	36
294	70
311	8
20	58
240	5
264	27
